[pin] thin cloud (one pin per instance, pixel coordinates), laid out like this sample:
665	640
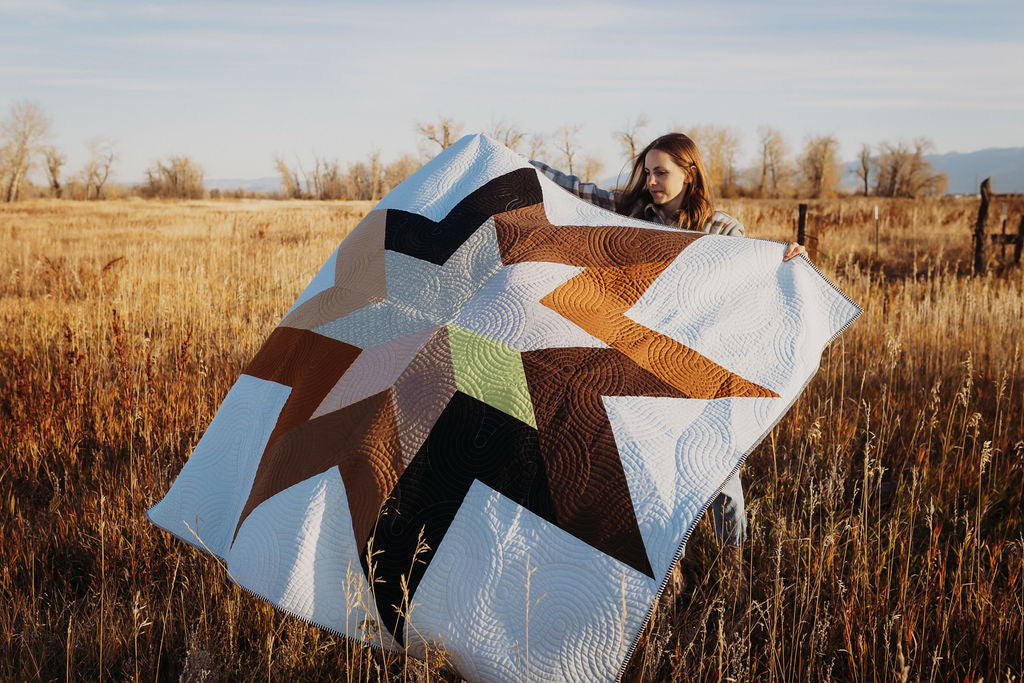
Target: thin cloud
108	83
867	70
47	9
59	77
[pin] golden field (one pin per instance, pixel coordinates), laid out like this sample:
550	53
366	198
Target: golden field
885	510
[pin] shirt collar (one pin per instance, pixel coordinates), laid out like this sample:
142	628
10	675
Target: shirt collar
651	214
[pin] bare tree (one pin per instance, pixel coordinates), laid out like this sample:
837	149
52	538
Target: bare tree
891	164
399	170
364	180
568	146
904	172
923	180
538	147
444	132
97	169
54	163
6	166
332	184
819	167
359	182
320	169
289	179
375	175
508	134
591	169
20	136
177	178
774	175
301	173
864	167
629	137
720	146
326	179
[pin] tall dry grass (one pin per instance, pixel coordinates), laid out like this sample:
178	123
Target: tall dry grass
887	532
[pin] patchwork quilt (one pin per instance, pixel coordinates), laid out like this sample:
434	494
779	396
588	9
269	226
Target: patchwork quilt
494	417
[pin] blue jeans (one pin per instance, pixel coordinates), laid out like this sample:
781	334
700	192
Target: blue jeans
728	514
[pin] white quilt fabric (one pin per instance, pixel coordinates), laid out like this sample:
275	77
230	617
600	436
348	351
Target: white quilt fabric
517	583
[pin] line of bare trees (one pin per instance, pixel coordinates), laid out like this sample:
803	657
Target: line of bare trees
21	136
175	178
24	144
24	137
891	170
900	170
325	178
887	169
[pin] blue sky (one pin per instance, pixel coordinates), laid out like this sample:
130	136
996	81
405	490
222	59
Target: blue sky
231	84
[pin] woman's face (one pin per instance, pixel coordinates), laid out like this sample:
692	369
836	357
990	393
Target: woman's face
666	180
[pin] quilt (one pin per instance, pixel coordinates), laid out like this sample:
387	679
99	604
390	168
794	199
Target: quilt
494	417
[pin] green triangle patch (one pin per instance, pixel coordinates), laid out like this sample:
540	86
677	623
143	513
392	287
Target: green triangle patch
491	372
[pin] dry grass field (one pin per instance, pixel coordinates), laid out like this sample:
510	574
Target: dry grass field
886	517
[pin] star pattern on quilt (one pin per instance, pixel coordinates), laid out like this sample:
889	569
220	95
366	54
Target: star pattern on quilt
412	407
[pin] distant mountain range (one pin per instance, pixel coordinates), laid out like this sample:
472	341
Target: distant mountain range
1005	165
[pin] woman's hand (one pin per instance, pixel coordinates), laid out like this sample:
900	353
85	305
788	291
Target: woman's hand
793	250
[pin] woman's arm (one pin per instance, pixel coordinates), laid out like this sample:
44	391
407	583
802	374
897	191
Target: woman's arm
588	192
722	223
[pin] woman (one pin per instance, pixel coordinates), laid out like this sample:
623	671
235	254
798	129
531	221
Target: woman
668	185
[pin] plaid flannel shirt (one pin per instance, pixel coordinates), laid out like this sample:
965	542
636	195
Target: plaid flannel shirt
720	222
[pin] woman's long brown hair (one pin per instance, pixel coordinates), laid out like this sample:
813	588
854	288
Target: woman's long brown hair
698	205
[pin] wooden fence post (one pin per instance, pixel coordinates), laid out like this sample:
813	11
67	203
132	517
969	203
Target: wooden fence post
876	232
979	229
1018	246
1003	233
808	241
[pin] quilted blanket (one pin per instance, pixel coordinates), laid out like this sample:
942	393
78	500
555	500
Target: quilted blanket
495	415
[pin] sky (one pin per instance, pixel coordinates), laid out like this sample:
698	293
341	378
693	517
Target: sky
232	84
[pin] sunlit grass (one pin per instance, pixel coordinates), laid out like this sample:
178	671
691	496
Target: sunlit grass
887	531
